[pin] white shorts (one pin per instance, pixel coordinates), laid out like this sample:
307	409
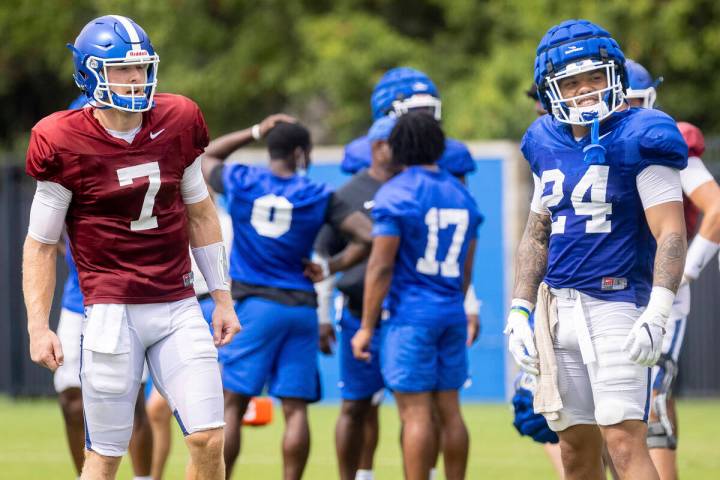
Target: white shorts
69	331
606	389
175	339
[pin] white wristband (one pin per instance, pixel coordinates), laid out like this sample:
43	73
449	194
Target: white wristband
699	253
212	263
661	300
255	131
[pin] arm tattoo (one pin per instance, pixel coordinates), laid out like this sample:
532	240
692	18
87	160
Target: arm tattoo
670	261
531	259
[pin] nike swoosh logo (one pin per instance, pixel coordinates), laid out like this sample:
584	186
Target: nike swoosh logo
603	136
154	135
369	204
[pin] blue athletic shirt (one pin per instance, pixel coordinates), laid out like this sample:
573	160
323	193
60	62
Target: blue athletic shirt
456	158
435	217
275	221
600	243
72	298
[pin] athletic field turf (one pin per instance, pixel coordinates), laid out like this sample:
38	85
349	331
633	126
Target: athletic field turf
32	445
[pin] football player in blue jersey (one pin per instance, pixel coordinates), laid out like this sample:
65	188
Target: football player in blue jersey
602	254
399	91
702	195
361	384
66	378
276	213
425	226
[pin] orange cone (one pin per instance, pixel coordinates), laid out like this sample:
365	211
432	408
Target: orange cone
259	412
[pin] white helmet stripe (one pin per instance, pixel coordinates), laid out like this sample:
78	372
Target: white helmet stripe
130	28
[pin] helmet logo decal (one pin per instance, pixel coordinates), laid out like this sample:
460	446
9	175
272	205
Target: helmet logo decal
419	86
573	49
137	53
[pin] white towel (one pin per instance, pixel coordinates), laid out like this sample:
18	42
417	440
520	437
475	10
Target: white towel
547	397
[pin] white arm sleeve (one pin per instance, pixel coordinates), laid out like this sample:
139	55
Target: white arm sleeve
699	254
694	175
536	202
193	186
47	214
213	264
657	184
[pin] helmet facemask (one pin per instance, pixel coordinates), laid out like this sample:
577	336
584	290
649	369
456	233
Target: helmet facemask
569	110
418	102
141	94
647	95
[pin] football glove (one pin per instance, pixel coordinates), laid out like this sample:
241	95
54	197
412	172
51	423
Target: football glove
521	342
644	342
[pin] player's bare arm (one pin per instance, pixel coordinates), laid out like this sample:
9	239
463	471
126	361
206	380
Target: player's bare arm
204	231
531	260
667	224
38	287
359	227
377	283
221	148
707	198
530	267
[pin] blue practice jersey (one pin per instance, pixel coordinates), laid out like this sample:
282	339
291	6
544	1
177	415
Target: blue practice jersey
275	221
72	298
435	218
600	243
456	158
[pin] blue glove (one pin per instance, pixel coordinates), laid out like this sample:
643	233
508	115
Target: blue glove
526	421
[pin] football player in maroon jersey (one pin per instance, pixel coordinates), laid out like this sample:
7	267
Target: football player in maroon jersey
124	177
701	194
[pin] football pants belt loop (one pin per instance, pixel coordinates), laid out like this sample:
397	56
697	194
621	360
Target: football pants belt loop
547	396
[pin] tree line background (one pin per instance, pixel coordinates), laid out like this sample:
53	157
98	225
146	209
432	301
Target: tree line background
319	59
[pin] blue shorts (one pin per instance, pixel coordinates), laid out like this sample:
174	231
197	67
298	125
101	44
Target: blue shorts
420	358
277	346
359	380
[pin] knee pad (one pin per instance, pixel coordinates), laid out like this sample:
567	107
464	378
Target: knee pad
658	437
612	412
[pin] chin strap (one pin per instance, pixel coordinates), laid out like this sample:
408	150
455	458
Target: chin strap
594	152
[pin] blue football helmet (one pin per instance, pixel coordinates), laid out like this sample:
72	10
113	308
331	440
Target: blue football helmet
571	48
640	84
404	89
111	41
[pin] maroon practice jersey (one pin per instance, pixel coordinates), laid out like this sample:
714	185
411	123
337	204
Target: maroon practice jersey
696	147
126	221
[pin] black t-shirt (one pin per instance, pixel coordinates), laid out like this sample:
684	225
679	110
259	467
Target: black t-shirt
355	195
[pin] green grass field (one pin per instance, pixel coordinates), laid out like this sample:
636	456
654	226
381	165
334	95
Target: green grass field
32	445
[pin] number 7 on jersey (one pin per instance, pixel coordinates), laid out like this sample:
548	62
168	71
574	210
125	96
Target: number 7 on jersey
126	175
